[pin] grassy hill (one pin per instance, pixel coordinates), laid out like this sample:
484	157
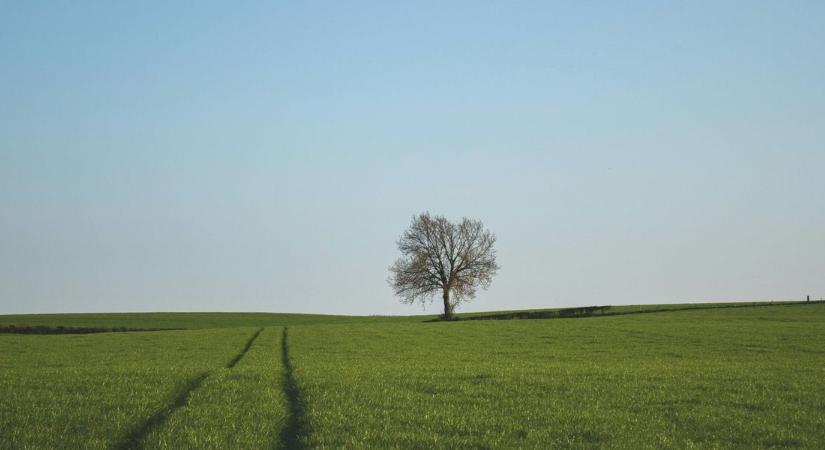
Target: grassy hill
186	320
699	376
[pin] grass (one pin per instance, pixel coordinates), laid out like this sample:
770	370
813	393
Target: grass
704	378
235	407
743	378
94	390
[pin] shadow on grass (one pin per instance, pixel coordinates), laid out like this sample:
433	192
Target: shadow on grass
297	428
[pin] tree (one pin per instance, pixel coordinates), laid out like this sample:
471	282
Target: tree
438	256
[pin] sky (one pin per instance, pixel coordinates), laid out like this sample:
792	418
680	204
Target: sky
266	156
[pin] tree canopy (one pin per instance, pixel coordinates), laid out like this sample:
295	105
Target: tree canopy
438	256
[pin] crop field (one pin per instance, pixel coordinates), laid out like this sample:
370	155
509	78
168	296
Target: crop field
95	390
744	377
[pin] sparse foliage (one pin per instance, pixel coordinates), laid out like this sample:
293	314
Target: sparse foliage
439	256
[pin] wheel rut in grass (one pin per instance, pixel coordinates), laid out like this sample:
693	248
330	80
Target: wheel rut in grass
240	355
297	426
134	440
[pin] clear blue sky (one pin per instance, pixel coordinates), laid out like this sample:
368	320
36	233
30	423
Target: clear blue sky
266	156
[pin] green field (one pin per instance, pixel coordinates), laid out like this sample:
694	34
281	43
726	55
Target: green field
735	377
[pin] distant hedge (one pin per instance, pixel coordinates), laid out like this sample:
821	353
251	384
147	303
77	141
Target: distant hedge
585	311
590	311
40	329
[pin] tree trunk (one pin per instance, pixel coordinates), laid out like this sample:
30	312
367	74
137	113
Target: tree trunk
448	308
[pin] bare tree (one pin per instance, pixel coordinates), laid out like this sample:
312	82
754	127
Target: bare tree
442	257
